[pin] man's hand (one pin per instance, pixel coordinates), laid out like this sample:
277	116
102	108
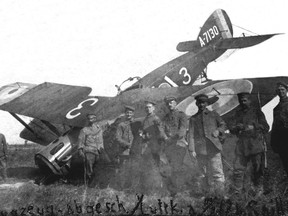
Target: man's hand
250	127
167	139
81	153
126	146
168	134
240	126
100	150
193	153
176	137
215	133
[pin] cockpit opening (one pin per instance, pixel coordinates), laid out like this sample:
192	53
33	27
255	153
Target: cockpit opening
135	85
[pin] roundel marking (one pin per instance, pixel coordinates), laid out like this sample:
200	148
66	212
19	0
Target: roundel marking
226	91
164	85
10	92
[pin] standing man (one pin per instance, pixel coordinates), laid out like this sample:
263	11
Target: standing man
153	132
124	135
90	145
206	128
175	126
175	122
3	157
250	126
279	133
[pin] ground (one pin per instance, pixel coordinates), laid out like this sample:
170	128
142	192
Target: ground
20	194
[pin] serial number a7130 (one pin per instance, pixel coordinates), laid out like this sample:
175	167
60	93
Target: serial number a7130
208	35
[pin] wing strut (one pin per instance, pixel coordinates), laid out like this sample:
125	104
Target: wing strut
51	127
24	124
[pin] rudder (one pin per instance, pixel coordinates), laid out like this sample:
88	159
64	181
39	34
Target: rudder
217	27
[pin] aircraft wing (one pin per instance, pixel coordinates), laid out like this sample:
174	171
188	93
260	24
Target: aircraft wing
242	42
48	101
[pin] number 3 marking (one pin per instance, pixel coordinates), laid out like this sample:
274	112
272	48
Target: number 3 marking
186	74
80	106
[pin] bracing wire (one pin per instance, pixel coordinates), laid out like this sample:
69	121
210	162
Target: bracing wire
245	29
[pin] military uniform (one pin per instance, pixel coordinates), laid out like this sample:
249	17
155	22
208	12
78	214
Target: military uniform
3	156
91	141
175	126
208	148
249	146
279	133
153	133
124	137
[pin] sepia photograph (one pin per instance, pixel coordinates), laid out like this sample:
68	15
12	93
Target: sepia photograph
141	107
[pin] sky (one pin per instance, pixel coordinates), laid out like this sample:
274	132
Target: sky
100	43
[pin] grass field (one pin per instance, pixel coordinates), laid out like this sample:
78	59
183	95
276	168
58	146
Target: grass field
74	198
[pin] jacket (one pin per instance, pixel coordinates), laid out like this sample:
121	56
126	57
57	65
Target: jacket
201	127
153	128
175	124
3	146
124	137
91	139
153	133
250	141
279	133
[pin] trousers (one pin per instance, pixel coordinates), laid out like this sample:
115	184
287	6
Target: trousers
211	172
3	168
90	160
247	170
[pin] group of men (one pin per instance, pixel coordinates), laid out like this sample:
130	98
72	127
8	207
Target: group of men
202	136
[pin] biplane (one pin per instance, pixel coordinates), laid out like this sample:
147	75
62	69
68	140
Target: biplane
59	111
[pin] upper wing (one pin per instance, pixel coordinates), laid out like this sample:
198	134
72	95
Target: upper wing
12	91
48	101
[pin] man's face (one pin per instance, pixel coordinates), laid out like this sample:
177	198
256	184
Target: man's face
281	92
129	114
171	105
244	102
201	105
149	108
91	119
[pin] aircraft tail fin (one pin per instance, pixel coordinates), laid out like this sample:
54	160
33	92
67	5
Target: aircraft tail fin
218	32
217	27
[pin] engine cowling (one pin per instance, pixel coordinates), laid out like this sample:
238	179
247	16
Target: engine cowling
56	156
